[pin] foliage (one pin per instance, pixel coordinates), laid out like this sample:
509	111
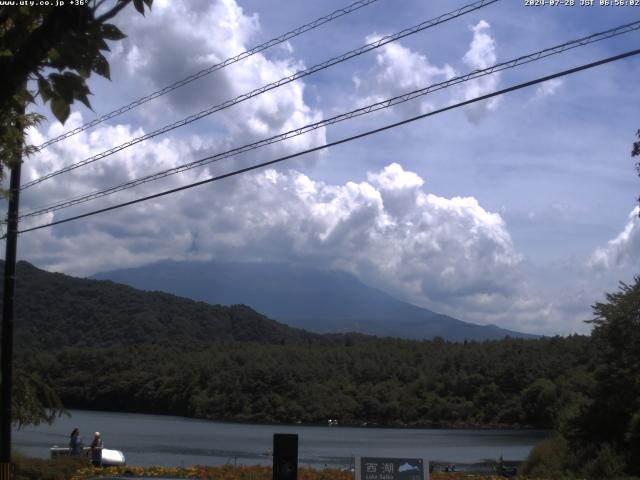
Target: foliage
377	382
547	459
607	430
60	468
56	310
162	354
599	428
49	52
69	468
199	472
635	152
12	146
33	400
606	462
256	472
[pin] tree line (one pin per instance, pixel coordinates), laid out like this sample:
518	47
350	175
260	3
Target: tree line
386	382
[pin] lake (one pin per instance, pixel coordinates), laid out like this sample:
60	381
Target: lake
171	441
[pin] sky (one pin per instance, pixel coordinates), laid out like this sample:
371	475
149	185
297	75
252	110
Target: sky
520	211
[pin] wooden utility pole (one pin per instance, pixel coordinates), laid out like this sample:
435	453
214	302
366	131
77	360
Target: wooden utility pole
6	359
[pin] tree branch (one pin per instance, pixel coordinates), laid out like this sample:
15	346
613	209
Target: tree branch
113	12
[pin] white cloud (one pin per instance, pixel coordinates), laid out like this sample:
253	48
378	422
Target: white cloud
207	34
544	90
482	50
549	88
449	254
480	55
135	162
621	252
452	254
398	70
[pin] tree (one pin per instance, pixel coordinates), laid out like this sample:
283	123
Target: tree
635	152
606	432
617	336
34	401
49	52
46	52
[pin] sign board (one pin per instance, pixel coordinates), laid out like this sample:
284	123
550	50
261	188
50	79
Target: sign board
381	468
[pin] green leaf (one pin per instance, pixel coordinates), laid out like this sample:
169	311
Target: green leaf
54	55
63	87
102	45
111	32
84	72
44	89
101	66
60	109
139	4
83	98
148	2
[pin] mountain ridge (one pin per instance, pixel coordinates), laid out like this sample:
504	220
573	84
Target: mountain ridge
56	310
322	301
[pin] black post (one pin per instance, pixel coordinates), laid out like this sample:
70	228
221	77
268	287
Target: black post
6	360
285	456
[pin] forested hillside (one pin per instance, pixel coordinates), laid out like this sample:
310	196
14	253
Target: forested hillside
54	310
156	353
383	382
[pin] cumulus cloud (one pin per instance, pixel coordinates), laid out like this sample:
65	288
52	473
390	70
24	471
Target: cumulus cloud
208	33
135	162
480	55
621	252
449	254
399	70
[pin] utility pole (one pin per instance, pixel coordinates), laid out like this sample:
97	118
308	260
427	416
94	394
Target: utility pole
6	359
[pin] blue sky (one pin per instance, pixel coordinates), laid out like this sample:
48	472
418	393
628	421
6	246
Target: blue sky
517	212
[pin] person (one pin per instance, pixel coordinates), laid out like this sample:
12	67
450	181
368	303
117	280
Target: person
75	443
96	450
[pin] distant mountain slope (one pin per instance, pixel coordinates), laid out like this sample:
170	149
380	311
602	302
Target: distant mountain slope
316	300
54	310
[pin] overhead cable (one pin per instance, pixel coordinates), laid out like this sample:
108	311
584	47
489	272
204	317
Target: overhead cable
181	83
338	118
341	141
258	91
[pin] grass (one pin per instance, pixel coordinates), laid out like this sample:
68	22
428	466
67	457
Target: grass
60	468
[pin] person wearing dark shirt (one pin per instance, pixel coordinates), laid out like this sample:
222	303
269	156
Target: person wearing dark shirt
75	443
96	450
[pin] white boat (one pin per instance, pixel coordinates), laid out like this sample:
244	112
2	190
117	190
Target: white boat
110	458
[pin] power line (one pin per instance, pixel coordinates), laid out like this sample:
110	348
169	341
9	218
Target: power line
339	118
341	141
180	83
283	81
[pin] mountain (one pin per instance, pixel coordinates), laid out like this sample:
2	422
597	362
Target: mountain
54	310
317	300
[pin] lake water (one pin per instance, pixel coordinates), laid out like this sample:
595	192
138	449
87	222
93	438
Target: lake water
171	441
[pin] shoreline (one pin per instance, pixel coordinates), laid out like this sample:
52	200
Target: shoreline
398	426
